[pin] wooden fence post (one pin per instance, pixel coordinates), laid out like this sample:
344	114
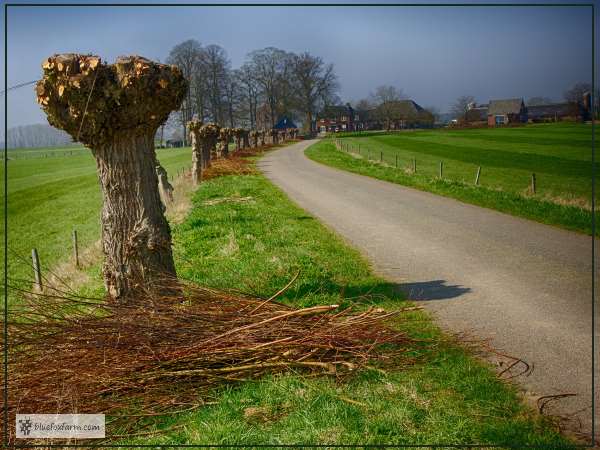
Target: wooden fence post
533	183
75	248
396	160
414	165
477	176
380	157
441	169
36	270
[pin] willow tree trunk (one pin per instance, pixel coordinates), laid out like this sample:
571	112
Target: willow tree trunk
246	141
196	158
115	110
208	145
136	237
225	148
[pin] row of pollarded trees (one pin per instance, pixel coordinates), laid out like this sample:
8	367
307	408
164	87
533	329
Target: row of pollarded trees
212	141
115	111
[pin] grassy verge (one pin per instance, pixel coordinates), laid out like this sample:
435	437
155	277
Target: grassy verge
49	197
243	233
565	216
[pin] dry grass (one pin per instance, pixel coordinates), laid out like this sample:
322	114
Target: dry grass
155	354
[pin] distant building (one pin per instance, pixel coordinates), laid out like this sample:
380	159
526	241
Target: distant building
404	114
476	114
577	111
285	124
174	143
335	118
503	112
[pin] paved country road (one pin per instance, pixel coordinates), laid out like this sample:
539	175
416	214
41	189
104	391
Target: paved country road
523	285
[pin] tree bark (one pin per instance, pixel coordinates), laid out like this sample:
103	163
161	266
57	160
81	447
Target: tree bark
208	145
136	237
196	158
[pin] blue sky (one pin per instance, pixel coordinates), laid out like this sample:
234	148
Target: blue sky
434	54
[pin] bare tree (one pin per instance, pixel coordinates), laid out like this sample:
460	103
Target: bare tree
268	66
249	90
187	57
461	106
435	113
215	65
364	104
115	110
314	83
575	93
386	98
233	98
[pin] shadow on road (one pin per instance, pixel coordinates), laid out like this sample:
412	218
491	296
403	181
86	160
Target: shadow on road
432	290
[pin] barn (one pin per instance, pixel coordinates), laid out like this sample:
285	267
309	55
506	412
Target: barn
503	112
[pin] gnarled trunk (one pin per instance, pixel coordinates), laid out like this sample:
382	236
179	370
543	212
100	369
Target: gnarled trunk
115	110
196	158
208	145
225	148
136	237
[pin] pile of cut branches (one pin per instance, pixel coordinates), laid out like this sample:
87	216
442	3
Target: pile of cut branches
234	165
153	354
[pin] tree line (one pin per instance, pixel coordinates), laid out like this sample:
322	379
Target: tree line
269	84
37	135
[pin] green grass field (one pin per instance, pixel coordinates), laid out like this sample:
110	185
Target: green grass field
559	155
49	197
256	246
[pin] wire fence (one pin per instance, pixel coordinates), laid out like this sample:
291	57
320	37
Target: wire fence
410	166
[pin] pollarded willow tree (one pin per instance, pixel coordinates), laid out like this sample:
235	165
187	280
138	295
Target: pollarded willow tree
238	134
194	127
204	142
209	134
115	110
246	139
254	138
224	137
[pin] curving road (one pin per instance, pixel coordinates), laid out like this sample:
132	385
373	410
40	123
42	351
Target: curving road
524	286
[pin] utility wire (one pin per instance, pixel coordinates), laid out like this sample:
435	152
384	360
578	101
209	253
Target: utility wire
17	86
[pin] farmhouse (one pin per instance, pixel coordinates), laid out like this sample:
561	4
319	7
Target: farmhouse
337	118
576	111
503	112
400	114
405	114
